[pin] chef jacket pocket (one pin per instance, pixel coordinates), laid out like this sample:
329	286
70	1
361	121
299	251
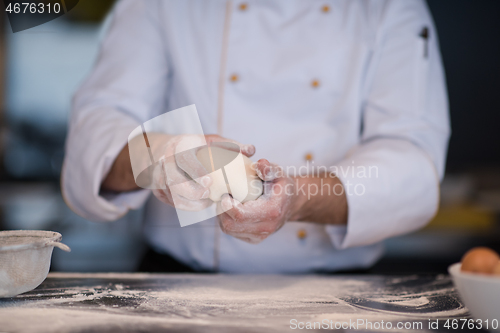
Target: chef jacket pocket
422	54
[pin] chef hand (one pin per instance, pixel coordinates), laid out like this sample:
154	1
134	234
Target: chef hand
254	221
183	167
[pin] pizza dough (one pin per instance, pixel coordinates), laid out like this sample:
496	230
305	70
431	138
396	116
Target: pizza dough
242	186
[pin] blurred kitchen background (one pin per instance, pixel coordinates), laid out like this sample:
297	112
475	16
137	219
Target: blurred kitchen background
40	68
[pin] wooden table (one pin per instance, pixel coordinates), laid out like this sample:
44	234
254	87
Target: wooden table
233	303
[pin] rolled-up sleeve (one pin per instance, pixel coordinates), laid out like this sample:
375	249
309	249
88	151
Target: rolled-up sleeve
126	87
392	177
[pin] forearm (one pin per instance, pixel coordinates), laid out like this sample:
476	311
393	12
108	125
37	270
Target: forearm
320	200
120	177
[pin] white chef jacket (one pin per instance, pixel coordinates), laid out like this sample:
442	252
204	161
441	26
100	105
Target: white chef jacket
346	83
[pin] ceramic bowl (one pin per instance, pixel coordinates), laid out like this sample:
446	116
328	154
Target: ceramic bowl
480	294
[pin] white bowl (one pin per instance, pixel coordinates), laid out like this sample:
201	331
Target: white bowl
480	294
25	259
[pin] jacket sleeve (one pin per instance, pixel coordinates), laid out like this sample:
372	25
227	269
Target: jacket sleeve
125	88
392	177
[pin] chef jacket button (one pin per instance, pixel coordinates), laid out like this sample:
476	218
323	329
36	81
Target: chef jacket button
234	78
243	6
301	234
325	9
315	83
308	157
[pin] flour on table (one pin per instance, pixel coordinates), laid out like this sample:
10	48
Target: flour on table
132	302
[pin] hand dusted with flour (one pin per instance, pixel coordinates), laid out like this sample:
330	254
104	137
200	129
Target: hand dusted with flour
254	221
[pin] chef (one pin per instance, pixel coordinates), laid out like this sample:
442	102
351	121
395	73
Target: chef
355	88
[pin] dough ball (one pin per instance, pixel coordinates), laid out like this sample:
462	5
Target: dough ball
480	260
220	158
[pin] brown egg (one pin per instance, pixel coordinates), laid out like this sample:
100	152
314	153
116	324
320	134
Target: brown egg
480	260
496	269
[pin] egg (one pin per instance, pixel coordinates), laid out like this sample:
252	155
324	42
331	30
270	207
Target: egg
496	269
480	260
